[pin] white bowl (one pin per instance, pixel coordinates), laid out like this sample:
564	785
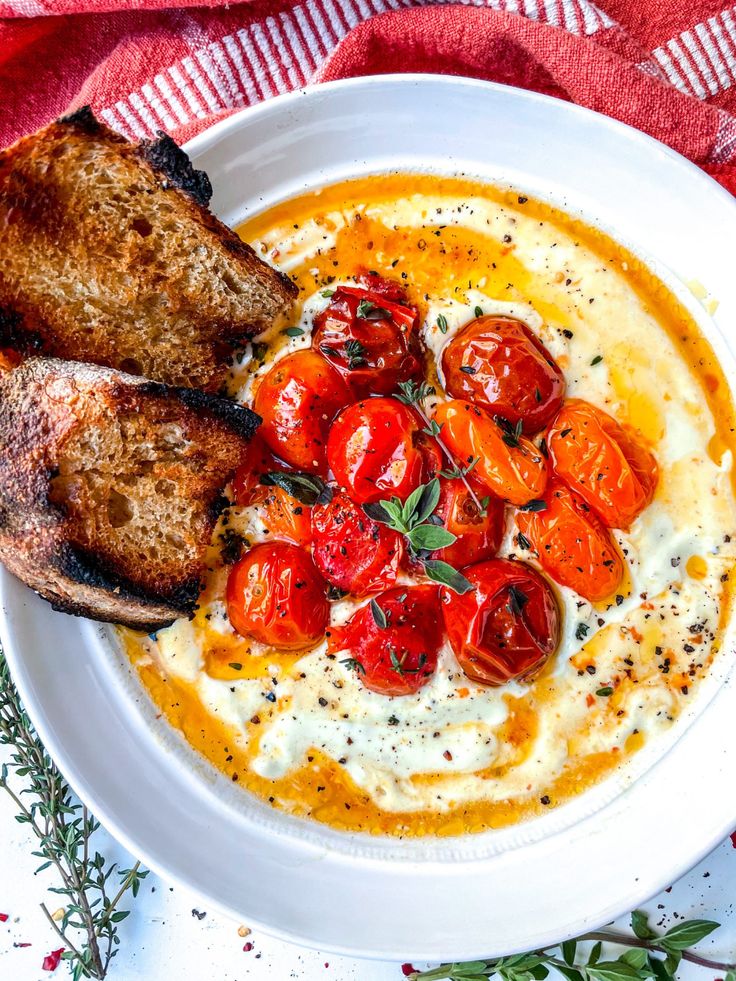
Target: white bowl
522	887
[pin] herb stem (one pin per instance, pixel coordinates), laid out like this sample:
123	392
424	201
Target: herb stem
55	926
63	827
625	940
451	458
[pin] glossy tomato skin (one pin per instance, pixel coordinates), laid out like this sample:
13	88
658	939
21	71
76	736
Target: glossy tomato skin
376	450
351	551
389	289
507	370
507	626
276	595
297	400
603	462
574	546
284	517
413	634
479	535
247	486
517	473
375	352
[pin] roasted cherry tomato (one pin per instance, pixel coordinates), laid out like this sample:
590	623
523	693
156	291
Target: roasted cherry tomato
390	289
276	595
498	363
506	626
603	462
574	546
397	655
376	449
372	341
351	551
284	517
479	535
511	466
247	486
297	400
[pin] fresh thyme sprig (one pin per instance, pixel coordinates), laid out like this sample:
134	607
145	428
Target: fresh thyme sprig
65	830
415	519
413	393
640	962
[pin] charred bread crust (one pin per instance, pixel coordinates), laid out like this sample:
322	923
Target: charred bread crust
14	334
87	571
85	121
42	403
168	158
41	192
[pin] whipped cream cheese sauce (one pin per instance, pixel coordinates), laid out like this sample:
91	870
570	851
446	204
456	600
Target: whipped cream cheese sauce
455	744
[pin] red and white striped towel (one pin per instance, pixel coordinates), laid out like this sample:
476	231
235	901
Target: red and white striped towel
667	66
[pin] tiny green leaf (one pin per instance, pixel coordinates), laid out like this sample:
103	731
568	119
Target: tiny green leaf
430	537
368	310
428	500
640	925
596	360
688	933
443	573
613	971
569	949
379	617
442	323
293	331
304	487
235	665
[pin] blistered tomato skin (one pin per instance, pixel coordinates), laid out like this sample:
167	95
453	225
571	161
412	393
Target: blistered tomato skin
297	400
399	657
574	546
276	596
371	340
603	462
478	535
507	626
285	517
351	551
501	365
517	473
247	486
376	450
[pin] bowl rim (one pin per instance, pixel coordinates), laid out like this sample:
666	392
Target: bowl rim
195	148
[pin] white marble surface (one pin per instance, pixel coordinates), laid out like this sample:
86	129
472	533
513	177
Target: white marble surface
163	940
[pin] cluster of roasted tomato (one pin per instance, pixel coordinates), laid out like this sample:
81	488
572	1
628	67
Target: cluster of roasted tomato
504	437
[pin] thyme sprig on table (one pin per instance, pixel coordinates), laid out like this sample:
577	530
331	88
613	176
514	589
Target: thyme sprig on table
648	956
65	830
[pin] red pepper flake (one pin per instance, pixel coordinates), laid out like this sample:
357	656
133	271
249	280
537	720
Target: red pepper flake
408	969
4	917
248	947
21	945
733	839
51	961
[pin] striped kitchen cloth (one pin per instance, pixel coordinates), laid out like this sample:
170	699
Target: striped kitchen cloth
667	67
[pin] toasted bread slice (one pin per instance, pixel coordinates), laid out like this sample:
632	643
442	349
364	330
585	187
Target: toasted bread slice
109	255
110	487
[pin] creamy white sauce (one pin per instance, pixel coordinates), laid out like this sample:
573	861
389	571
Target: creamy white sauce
450	727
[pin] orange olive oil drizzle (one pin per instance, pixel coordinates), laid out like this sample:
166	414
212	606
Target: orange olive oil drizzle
458	260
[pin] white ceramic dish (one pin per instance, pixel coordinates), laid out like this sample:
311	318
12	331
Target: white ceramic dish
519	888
